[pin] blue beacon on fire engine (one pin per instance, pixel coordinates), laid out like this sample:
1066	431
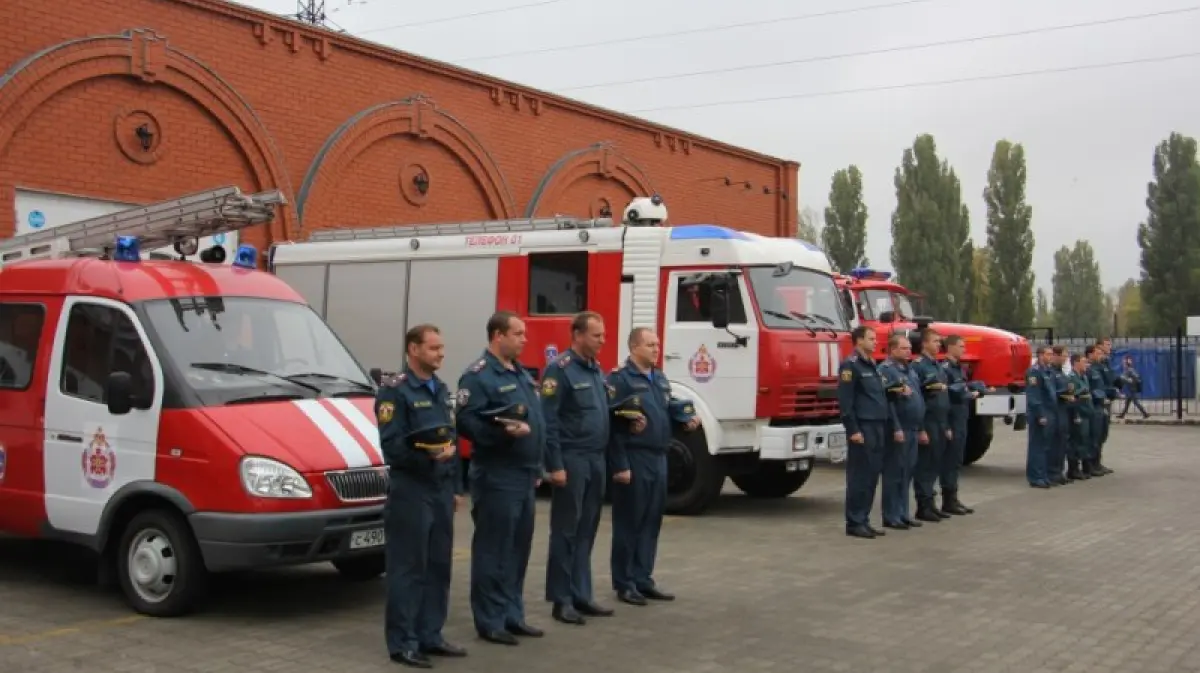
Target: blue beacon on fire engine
246	257
863	273
127	249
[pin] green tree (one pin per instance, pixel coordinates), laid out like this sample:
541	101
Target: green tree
1079	299
845	234
1131	321
1009	237
808	227
931	230
1170	236
978	300
1041	311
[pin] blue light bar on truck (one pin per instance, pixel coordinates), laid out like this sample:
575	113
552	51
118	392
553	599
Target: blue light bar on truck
127	249
863	273
246	257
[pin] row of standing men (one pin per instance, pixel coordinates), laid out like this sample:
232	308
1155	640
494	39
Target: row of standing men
906	424
579	430
1069	413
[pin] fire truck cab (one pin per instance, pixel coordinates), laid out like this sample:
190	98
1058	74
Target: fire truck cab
751	330
179	418
995	357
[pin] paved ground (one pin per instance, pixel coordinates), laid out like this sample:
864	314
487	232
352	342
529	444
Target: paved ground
1097	577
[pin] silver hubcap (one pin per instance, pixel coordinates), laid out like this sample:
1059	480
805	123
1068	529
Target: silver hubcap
152	565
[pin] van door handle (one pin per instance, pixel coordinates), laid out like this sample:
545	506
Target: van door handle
64	437
672	356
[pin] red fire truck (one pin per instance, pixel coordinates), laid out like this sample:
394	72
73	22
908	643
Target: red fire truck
177	417
993	356
752	330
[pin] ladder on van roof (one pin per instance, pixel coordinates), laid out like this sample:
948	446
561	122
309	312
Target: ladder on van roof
157	225
461	228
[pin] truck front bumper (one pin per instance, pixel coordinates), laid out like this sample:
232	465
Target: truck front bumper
800	444
243	541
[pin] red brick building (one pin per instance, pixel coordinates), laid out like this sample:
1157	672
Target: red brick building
135	101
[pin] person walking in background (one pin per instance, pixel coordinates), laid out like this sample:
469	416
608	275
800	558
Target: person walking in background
1133	388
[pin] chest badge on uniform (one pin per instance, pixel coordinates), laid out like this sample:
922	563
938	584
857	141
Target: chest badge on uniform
702	366
99	461
387	411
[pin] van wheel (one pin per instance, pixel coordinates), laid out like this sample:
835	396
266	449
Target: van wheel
361	568
694	478
159	565
979	438
771	480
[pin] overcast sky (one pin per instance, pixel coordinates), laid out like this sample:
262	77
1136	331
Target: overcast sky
1089	135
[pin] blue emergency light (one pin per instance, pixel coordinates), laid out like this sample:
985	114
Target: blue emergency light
863	273
246	257
127	249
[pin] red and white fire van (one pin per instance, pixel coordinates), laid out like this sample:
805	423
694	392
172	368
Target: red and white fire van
176	417
752	329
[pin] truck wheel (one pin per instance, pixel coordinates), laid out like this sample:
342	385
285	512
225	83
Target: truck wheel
159	565
771	480
361	568
979	438
694	479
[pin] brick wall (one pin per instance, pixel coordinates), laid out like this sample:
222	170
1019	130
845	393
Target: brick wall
342	126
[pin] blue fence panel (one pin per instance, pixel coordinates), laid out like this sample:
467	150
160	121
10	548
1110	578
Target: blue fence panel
1157	365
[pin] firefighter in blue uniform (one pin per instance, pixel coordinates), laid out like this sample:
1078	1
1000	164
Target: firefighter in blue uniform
1098	385
865	415
499	411
1041	407
415	411
1056	450
936	432
1081	411
644	417
963	394
907	412
1112	392
575	403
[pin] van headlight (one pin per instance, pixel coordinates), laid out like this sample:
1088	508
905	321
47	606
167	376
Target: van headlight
800	441
267	478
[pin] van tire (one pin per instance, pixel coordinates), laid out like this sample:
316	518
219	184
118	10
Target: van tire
159	565
361	568
694	477
771	480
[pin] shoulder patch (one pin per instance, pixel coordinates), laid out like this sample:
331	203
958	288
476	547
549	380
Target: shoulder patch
847	375
387	411
478	366
1033	380
462	397
549	386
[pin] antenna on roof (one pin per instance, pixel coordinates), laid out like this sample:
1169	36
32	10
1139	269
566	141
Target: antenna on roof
311	11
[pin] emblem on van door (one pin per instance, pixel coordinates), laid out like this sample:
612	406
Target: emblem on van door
99	461
702	366
3	464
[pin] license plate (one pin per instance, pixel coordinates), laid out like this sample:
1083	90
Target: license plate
796	465
837	440
364	539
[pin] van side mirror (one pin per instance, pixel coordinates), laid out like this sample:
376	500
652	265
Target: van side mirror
887	316
118	391
719	306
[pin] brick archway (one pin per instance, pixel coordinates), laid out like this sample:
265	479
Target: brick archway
601	160
144	55
416	116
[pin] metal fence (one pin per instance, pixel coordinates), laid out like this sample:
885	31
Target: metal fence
1167	366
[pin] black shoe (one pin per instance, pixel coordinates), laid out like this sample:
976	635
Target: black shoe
499	637
412	659
523	629
591	609
631	597
656	594
1040	484
896	525
1061	481
863	532
876	531
1097	472
444	650
913	523
567	615
927	514
1104	468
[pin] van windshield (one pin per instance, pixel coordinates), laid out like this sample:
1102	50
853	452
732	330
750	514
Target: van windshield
791	297
241	349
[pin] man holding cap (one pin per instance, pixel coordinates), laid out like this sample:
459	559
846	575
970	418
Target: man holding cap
644	416
415	411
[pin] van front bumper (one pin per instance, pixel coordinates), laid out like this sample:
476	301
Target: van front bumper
244	541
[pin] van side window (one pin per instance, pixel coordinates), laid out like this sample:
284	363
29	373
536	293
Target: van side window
101	340
558	283
693	299
20	333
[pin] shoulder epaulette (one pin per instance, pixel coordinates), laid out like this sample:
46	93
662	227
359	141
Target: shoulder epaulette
393	379
478	366
563	360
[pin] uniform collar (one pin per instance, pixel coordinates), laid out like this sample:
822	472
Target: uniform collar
418	382
496	364
633	369
582	361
